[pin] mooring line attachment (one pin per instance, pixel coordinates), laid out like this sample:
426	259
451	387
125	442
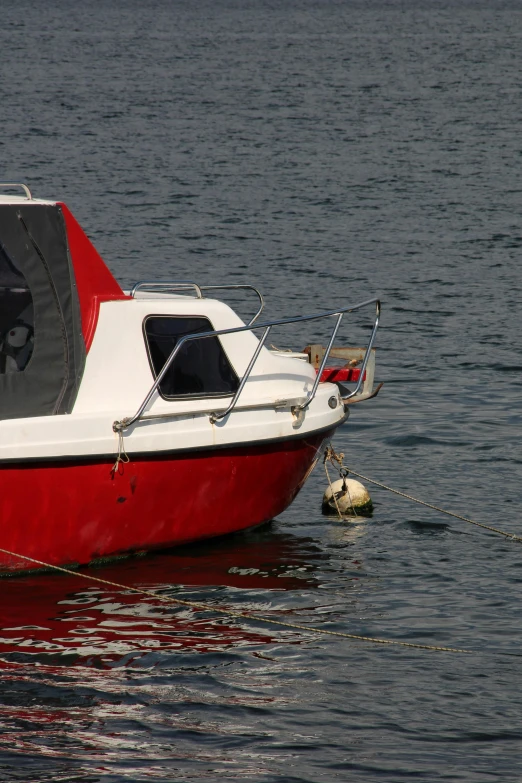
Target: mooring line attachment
330	455
122	456
325	460
239	615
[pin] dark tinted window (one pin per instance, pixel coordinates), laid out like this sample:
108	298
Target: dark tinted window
16	317
40	375
200	368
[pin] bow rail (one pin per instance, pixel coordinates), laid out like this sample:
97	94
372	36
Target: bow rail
120	426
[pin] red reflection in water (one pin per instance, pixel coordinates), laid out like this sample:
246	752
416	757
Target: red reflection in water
57	616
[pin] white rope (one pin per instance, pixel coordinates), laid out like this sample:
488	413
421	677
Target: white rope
122	457
437	508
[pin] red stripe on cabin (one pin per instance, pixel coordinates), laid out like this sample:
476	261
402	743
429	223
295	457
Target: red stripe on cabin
94	281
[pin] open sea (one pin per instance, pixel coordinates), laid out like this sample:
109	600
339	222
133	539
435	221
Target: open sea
325	151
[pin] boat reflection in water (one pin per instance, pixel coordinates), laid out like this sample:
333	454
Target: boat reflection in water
57	619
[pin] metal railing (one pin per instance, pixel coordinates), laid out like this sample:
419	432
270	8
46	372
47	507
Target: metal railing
166	286
125	423
17	185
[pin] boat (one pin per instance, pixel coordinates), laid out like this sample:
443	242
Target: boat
138	420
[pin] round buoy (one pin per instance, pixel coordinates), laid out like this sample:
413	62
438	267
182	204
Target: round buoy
353	499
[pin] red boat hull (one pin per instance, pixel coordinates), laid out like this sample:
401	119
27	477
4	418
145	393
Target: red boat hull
73	512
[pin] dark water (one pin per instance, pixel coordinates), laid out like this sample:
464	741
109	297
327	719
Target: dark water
325	151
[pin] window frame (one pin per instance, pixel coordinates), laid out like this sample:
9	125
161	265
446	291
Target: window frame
195	396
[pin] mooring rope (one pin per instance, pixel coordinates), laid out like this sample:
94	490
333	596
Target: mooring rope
231	613
331	456
334	496
122	456
511	536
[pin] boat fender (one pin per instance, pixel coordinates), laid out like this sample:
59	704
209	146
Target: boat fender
347	496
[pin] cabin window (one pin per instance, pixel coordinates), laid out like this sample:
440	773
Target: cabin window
201	367
16	317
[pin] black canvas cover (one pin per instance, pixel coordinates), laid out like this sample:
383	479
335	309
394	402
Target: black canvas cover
42	351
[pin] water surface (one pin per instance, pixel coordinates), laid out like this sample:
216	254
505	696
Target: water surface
325	152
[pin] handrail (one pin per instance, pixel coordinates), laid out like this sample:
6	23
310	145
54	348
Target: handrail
17	185
236	286
119	426
166	285
181	285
